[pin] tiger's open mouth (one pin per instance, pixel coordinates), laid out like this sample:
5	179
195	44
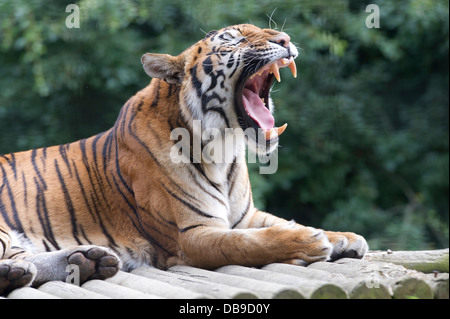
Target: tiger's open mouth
254	109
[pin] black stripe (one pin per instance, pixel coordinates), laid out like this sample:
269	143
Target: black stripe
18	225
199	168
139	106
154	229
38	173
244	213
12	163
166	223
119	173
96	171
196	82
231	170
194	178
102	225
138	224
43	216
84	235
183	230
189	205
106	152
231	178
88	169
17	253
161	219
156	99
3	244
235	68
4	249
83	192
62	152
44	157
122	119
25	189
230	62
208	65
2	205
69	204
125	198
46	246
169	90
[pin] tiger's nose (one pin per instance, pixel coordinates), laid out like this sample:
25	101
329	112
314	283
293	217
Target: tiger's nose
283	39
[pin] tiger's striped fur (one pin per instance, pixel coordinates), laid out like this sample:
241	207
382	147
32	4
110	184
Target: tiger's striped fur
120	189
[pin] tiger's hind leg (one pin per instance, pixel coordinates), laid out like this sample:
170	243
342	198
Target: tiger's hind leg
20	266
87	262
13	273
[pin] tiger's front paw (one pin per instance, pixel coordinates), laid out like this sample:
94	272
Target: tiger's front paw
304	245
347	245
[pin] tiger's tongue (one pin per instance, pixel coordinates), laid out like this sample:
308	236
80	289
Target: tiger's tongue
257	110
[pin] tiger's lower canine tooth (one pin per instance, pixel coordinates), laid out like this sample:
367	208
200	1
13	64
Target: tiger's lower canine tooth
274	132
268	133
281	129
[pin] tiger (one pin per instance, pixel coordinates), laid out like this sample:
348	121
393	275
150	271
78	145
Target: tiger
116	201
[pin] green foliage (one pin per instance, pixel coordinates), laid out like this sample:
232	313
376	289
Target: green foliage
367	147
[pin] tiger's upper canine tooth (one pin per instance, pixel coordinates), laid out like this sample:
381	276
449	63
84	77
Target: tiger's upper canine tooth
276	71
293	68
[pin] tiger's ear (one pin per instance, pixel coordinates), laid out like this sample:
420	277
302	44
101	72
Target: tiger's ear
164	66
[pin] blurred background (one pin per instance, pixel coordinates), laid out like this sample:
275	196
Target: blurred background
367	147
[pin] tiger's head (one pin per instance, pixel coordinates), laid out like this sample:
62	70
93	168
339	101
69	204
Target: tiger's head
226	80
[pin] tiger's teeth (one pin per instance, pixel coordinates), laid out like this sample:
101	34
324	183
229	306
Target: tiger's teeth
276	71
269	133
281	129
293	68
274	132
